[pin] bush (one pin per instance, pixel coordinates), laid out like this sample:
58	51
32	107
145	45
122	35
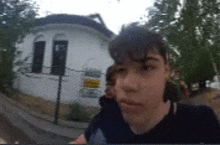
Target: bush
78	113
5	89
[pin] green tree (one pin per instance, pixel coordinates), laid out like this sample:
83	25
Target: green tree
191	33
201	30
163	15
16	19
163	19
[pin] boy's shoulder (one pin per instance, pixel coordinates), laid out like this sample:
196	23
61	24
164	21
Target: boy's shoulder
194	111
198	117
198	121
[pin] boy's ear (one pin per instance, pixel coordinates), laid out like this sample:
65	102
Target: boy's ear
167	68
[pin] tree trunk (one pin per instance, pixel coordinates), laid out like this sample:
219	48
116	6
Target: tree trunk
202	84
190	88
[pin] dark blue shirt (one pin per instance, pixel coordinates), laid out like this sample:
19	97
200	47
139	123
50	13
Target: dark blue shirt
190	124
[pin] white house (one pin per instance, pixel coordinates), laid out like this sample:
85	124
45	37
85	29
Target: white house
80	44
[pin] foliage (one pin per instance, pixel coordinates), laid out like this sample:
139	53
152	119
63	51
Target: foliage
163	15
16	19
193	31
78	113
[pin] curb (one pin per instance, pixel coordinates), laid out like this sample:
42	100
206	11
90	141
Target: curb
64	128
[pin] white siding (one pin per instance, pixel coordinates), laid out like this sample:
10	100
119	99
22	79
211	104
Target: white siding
84	44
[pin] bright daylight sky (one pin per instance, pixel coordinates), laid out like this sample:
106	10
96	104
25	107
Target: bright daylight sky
113	13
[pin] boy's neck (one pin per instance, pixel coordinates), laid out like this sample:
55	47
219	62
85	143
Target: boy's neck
150	121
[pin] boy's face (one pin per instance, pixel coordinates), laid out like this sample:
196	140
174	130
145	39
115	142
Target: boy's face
140	87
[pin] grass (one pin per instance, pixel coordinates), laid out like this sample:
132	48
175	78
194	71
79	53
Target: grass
46	107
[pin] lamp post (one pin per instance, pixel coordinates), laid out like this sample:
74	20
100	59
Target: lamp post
56	114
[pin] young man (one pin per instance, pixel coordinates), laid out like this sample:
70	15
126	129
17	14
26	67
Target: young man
139	112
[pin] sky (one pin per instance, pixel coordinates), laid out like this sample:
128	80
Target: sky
113	13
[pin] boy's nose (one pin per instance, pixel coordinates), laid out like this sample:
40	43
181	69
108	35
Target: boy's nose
130	83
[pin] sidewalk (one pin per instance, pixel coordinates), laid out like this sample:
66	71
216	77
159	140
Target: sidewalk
64	128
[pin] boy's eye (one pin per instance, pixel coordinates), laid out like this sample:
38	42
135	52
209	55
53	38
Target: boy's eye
120	70
147	68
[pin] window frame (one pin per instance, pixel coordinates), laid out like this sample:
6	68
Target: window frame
56	57
35	68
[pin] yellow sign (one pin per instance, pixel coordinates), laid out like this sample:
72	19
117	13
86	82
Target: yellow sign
91	83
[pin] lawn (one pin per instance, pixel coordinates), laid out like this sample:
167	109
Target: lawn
46	107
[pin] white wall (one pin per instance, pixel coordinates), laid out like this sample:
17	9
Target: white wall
84	44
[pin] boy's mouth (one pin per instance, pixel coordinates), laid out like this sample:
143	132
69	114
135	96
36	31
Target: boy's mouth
129	106
129	102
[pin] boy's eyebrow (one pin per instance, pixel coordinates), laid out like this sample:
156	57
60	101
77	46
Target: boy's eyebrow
151	58
146	60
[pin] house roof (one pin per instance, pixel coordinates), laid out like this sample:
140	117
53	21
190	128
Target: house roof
75	19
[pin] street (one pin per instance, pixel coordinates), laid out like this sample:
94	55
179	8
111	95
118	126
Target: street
14	129
12	134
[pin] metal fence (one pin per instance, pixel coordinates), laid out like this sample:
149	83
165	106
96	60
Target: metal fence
81	88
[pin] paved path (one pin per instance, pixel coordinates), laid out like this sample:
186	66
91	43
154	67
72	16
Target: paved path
11	134
34	128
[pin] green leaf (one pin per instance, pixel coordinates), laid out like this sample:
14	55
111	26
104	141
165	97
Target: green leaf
197	23
16	18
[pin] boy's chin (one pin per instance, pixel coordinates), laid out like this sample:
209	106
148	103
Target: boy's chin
132	119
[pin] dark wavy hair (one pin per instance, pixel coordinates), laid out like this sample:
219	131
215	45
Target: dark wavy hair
133	42
110	82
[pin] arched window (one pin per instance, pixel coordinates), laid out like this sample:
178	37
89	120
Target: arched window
60	44
39	47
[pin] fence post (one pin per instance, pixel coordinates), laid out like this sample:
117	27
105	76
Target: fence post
58	99
56	114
